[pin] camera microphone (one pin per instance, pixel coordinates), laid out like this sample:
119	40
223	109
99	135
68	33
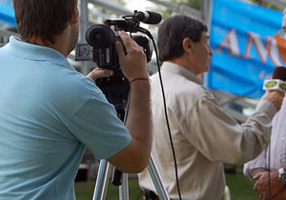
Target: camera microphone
278	80
148	17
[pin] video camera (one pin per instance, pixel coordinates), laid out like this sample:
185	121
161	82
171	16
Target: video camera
100	48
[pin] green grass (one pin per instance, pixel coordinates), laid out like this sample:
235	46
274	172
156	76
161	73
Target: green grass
84	191
240	189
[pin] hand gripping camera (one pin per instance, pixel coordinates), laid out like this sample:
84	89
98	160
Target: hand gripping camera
101	49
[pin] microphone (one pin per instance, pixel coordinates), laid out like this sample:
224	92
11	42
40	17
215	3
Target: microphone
148	17
278	81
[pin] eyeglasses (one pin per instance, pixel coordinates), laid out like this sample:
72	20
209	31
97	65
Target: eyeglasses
282	32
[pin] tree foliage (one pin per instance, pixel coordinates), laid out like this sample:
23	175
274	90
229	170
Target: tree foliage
196	4
266	4
122	2
191	3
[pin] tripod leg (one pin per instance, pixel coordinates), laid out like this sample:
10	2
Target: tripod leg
123	188
101	184
157	180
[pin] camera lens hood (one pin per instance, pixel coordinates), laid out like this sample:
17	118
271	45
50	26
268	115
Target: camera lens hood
100	36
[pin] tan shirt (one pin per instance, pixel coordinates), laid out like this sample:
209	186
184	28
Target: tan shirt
204	136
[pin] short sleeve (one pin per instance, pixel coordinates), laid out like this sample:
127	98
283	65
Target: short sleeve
97	126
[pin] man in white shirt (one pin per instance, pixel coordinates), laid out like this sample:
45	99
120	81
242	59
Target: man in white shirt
204	136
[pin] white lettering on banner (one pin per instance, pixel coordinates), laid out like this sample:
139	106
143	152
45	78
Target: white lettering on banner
272	48
230	42
4	1
259	46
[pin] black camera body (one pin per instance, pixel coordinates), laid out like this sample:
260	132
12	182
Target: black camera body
102	40
100	48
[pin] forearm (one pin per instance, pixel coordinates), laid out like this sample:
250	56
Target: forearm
232	143
139	121
256	171
257	131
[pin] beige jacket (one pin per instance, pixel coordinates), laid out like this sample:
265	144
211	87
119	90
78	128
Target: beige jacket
204	136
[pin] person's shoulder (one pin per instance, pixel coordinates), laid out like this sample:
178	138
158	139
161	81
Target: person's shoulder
191	88
69	75
179	86
73	83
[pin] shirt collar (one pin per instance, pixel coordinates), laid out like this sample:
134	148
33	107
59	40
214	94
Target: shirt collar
34	52
178	69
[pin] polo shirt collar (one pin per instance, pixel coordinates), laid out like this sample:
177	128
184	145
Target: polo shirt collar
34	52
177	69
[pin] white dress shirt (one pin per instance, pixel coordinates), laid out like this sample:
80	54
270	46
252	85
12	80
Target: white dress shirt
277	146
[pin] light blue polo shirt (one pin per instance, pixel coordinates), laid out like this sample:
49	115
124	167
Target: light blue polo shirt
49	113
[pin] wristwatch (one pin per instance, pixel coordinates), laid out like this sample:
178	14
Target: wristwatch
282	175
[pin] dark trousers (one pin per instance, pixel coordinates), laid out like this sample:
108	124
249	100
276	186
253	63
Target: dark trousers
149	195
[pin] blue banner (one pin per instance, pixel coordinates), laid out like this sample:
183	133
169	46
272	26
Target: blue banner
7	15
246	47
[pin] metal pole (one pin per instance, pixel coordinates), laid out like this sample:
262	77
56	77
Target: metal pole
103	174
84	23
124	189
83	18
207	6
157	180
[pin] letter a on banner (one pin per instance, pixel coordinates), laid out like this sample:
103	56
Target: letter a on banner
246	47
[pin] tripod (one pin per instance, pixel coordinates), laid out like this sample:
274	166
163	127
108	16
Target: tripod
100	190
104	171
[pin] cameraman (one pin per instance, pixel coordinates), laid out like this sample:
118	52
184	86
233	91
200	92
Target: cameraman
49	113
204	136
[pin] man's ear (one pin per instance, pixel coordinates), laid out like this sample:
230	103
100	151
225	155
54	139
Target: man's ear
187	44
75	16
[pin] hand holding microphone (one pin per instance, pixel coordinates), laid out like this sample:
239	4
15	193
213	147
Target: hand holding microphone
278	80
276	87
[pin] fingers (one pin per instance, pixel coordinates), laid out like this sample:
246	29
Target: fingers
100	73
275	97
129	44
127	41
119	49
263	194
261	185
133	63
256	187
261	179
253	172
257	176
280	92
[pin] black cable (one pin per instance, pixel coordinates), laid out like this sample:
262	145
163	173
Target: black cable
167	120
